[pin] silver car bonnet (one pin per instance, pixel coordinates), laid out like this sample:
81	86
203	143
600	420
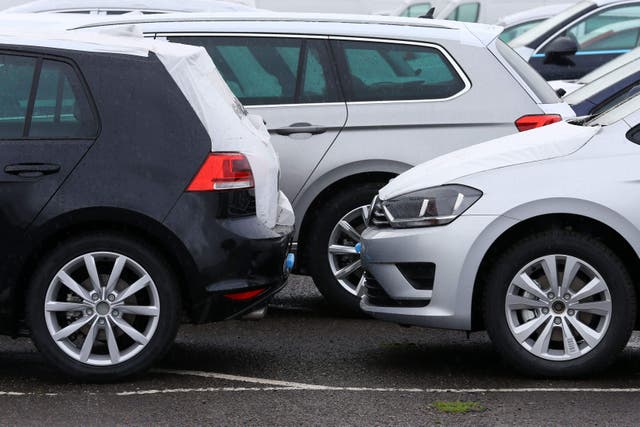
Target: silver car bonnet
557	140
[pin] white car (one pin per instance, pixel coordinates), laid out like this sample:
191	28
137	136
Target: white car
534	237
119	7
520	22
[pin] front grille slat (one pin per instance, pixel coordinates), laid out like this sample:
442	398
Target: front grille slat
377	296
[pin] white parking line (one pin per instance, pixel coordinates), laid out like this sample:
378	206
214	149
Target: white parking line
286	385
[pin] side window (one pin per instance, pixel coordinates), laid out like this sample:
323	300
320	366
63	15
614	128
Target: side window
56	107
417	10
614	28
16	78
61	108
268	71
388	72
467	12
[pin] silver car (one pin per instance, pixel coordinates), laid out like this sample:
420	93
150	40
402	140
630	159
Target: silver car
352	101
534	237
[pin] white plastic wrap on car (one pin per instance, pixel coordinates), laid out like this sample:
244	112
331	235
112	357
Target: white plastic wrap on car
557	140
221	113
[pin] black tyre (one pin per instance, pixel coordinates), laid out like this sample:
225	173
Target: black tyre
572	325
332	259
102	307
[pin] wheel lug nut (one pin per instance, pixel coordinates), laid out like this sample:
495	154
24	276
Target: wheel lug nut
557	320
89	312
115	313
551	295
111	298
95	297
571	312
545	311
567	297
101	322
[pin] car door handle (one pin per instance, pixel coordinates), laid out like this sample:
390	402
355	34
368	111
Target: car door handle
301	128
32	170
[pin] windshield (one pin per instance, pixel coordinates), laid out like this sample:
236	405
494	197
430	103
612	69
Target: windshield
540	30
608	80
617	113
610	66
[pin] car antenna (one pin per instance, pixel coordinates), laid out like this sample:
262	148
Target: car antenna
429	14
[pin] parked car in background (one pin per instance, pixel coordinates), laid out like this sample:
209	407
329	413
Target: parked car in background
521	22
569	86
607	91
119	7
518	236
116	225
335	92
574	42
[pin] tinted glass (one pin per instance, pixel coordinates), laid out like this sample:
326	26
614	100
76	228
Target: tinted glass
530	76
514	31
16	78
467	12
385	72
614	28
418	10
61	108
267	71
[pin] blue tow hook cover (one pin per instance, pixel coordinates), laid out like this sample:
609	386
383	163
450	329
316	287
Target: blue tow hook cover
358	247
290	262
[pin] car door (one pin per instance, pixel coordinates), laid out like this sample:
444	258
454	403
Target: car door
46	125
290	82
599	37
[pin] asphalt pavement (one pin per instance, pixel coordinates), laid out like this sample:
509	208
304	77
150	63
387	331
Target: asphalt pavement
303	365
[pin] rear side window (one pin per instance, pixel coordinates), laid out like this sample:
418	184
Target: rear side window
392	72
536	83
16	79
468	12
417	10
269	71
42	99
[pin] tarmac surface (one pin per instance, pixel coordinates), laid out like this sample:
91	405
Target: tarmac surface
303	365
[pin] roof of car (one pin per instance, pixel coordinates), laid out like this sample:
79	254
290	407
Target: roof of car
146	5
306	23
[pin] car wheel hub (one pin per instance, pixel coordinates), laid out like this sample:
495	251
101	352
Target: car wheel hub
558	307
344	250
102	308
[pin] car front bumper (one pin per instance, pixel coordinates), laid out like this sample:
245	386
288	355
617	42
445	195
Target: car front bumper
442	299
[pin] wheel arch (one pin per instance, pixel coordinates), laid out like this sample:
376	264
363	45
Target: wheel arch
609	232
322	189
87	220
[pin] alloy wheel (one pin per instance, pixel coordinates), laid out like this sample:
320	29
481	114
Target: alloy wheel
344	257
558	307
102	308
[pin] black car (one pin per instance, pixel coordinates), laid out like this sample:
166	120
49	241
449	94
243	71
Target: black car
117	219
582	38
606	92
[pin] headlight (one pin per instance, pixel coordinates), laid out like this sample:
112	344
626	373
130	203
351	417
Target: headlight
433	206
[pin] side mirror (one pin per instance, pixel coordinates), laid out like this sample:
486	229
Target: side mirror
558	51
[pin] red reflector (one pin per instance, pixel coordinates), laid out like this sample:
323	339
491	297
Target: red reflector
223	171
536	121
243	296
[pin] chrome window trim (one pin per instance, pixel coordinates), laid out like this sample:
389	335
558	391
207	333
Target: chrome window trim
458	69
582	18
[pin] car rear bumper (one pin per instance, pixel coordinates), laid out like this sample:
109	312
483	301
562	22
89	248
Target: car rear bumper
230	259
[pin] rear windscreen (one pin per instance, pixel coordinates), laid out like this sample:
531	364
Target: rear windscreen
538	85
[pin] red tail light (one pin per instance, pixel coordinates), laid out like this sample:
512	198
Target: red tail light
223	171
243	296
536	121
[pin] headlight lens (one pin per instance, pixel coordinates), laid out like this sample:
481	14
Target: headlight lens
430	207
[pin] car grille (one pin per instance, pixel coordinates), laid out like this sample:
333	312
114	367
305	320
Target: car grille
377	217
377	296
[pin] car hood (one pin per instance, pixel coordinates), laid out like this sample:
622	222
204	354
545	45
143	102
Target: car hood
557	140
